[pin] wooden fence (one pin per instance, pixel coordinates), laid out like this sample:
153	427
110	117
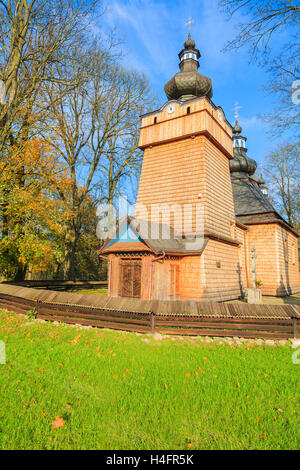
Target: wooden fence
174	318
61	285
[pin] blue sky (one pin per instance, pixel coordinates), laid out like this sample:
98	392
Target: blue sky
153	32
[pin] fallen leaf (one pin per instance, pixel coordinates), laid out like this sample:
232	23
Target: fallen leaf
60	364
166	386
110	351
58	422
280	410
68	406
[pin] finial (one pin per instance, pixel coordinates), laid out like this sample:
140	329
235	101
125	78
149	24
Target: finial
189	24
237	128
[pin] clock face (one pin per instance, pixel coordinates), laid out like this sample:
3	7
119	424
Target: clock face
221	115
170	109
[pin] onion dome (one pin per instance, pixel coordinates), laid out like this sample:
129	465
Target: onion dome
189	43
261	181
262	185
241	166
188	83
237	129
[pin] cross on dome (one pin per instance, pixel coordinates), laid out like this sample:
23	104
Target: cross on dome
236	110
189	24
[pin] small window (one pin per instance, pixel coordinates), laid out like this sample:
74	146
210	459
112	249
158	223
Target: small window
188	111
155	120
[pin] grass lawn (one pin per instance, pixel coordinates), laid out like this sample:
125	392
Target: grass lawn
290	299
126	391
90	291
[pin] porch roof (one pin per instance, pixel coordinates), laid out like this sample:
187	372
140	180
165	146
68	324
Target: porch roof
140	235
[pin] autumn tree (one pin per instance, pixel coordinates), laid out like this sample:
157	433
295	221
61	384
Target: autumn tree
65	93
35	36
94	131
35	217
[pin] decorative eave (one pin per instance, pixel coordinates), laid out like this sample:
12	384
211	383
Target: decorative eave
207	134
240	225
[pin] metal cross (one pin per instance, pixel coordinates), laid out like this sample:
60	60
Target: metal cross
253	268
236	110
189	24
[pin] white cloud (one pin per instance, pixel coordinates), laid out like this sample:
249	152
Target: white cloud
250	123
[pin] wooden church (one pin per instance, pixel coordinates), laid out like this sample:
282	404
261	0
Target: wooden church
195	163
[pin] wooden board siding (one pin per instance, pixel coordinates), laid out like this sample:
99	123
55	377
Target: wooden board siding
203	117
176	174
277	261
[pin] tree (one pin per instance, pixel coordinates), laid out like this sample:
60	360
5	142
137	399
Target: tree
283	170
94	130
35	36
34	216
261	24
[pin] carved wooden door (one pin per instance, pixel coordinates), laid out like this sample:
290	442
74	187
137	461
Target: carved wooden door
130	278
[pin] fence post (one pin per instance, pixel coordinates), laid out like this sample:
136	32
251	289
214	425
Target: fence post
152	322
37	307
295	328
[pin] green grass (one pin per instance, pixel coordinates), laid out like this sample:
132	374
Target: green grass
125	393
90	291
269	300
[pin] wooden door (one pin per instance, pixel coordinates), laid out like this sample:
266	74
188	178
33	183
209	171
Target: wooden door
130	278
174	281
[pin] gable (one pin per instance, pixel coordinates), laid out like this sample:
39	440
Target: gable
126	234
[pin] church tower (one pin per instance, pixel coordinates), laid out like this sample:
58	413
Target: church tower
187	148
